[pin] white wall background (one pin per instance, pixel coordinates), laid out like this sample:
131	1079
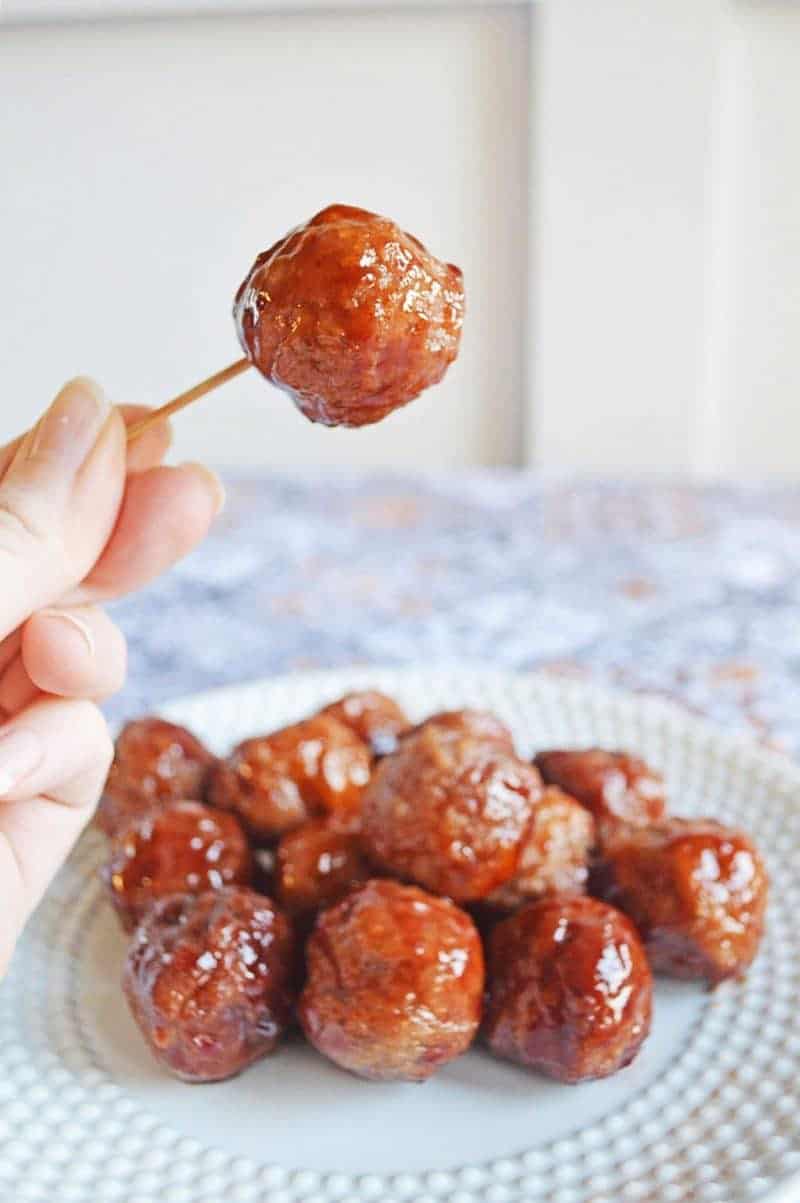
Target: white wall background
637	309
622	174
753	384
144	164
666	269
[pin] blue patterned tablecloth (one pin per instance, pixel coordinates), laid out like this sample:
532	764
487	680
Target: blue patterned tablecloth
666	587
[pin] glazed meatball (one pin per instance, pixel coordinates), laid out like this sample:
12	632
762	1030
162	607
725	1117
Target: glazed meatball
155	762
614	786
374	717
185	847
395	982
277	782
570	990
316	865
449	812
554	855
479	724
209	981
696	890
351	316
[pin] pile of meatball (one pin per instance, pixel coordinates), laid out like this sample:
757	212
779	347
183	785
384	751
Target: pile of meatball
402	890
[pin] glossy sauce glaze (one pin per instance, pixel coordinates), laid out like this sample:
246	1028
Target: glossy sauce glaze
316	865
554	854
155	762
696	890
449	812
612	785
209	981
276	782
395	982
569	989
185	847
375	718
351	316
478	724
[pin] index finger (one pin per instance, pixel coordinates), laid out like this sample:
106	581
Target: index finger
145	452
149	449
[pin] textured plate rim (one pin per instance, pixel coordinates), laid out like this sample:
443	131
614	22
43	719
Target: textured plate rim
662	718
655	704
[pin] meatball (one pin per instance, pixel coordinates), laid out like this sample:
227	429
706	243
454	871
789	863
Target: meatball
209	981
449	812
554	855
614	786
316	865
351	316
276	782
696	890
374	717
570	990
155	762
185	847
479	724
395	982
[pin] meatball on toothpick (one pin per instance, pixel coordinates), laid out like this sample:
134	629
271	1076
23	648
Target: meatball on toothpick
348	314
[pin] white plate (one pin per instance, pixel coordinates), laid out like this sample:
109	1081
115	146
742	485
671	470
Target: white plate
709	1111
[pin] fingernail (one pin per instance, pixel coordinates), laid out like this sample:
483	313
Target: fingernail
69	429
215	484
21	752
77	624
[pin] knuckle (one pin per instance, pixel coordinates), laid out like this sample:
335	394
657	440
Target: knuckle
115	669
98	738
29	533
118	680
105	749
122	664
20	519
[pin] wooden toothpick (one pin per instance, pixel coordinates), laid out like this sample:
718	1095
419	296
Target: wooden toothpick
183	399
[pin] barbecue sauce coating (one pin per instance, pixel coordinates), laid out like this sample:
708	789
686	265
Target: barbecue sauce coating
351	316
570	989
316	865
479	724
554	854
696	890
395	982
186	847
209	981
449	812
614	786
375	718
155	762
276	782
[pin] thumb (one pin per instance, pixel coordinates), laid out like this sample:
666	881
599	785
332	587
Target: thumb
59	500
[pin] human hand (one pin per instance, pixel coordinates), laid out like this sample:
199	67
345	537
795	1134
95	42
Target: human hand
82	520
